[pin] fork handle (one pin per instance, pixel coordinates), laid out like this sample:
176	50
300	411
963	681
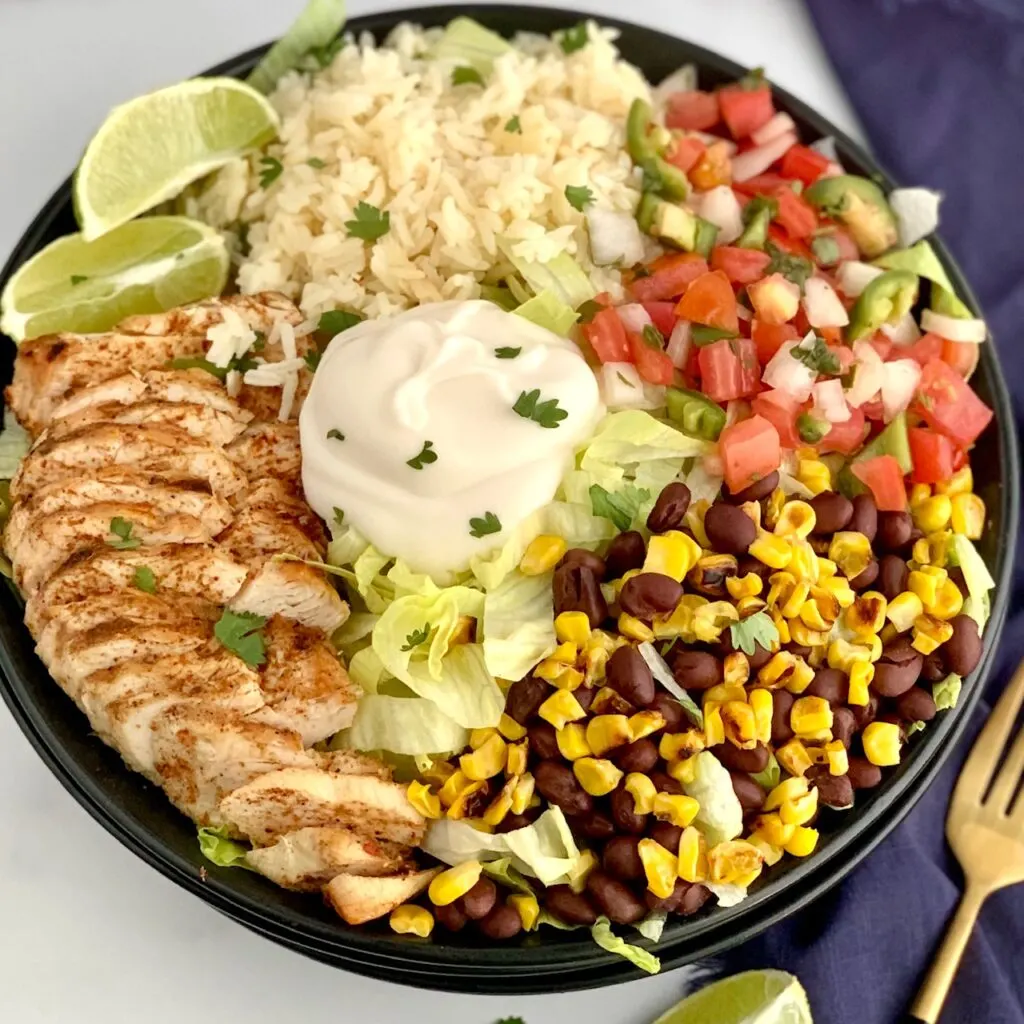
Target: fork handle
928	1004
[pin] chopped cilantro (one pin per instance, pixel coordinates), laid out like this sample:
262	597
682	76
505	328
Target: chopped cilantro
334	321
369	223
793	268
417	638
334	434
579	196
573	39
121	534
546	414
316	163
272	169
467	76
240	633
653	338
144	579
482	527
426	456
817	356
339	516
513	127
810	428
701	334
506	353
78	278
313	357
621	507
753	630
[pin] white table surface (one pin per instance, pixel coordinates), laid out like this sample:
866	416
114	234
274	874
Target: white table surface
88	933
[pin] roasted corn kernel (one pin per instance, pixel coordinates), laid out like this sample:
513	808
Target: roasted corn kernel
527	908
695	521
634	628
495	812
561	707
714	727
867	613
771	854
948	601
597	776
643	792
810	715
711	574
749	605
838	758
773	507
933	514
607	731
427	802
803	842
839	587
791	603
609	702
460	804
773	671
478	737
453	786
643	723
918	494
842	654
565	652
925	584
801	633
739	724
785	791
811	616
685	771
861	675
930	633
692	862
409	919
675	808
752	510
961	482
801	809
522	795
814	475
486	761
448	886
542	554
572	741
968	515
744	586
764	707
774	551
573	628
794	758
775	831
438	773
722	692
660	867
510	728
671	554
734	862
804	563
559	675
826	568
903	609
851	551
881	741
710	619
800	676
736	669
781	627
580	871
797	519
595	665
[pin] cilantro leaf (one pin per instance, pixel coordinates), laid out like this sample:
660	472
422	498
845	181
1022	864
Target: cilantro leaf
121	532
334	322
313	357
653	338
240	633
316	163
793	268
334	434
417	638
506	353
546	414
588	311
144	579
78	278
369	223
482	527
621	507
817	356
339	516
513	127
579	196
754	629
511	1020
702	334
272	169
573	39
426	456
467	76
753	79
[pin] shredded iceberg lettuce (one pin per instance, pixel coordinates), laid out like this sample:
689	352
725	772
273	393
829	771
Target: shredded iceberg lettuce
216	846
946	692
720	817
14	446
518	625
562	277
467	41
977	577
404	726
602	933
547	310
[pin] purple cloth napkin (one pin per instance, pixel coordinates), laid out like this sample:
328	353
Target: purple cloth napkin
939	87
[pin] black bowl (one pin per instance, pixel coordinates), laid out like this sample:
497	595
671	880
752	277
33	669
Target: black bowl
141	818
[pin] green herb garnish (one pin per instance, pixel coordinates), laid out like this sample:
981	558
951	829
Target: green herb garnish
653	338
574	38
753	630
546	414
144	579
793	268
621	507
334	321
818	357
506	353
316	163
810	428
313	357
702	334
271	171
78	278
369	223
339	516
579	196
482	527
240	633
753	79
334	434
121	532
513	127
467	76
417	638
426	456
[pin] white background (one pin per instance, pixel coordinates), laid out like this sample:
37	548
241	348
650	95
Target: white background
88	933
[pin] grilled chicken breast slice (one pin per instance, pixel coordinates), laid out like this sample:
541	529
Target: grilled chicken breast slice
258	534
198	421
268	449
296	591
293	798
260	311
309	858
359	899
352	762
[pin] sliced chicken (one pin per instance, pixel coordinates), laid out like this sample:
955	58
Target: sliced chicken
352	762
283	498
359	899
309	858
201	755
268	449
149	448
294	798
296	591
260	311
258	533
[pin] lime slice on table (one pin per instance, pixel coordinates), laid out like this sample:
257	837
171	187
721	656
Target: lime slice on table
150	148
146	266
755	997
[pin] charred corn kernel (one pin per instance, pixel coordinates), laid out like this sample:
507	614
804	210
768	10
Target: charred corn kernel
924	584
478	737
596	775
607	731
838	758
596	665
408	919
851	551
803	842
810	715
734	862
714	728
566	653
919	493
459	805
781	586
800	677
781	627
739	724
643	792
773	551
799	633
710	619
948	601
722	692
522	795
685	771
527	908
609	702
695	521
771	854
675	808
464	632
453	786
510	728
804	563
839	587
961	482
744	586
680	622
773	507
438	773
826	568
801	809
929	633
764	707
881	741
515	761
736	669
933	549
573	628
692	861
752	509
678	744
791	603
486	761
563	677
861	674
784	792
634	628
842	654
775	831
499	807
643	723
427	802
772	671
933	514
814	475
903	609
580	871
797	519
967	512
542	554
749	605
810	615
660	867
561	707
448	886
672	554
867	614
793	756
572	741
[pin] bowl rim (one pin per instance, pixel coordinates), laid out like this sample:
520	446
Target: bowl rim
561	961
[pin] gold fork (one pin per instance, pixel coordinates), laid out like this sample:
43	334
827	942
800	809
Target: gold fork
985	828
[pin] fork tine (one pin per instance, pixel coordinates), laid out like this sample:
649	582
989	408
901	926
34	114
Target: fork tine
988	748
1009	776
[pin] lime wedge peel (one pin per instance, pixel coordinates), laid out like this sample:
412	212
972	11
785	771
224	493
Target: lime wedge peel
146	266
754	997
149	149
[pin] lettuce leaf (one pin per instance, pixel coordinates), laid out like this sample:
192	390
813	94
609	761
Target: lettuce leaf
216	846
977	577
518	625
720	817
317	25
366	670
946	692
14	445
652	926
603	935
728	894
404	726
468	41
502	872
562	277
769	776
547	310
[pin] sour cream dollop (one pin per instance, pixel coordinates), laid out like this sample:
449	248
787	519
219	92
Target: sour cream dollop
436	388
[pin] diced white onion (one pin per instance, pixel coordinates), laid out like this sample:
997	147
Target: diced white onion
736	410
622	388
683	79
868	374
678	348
634	317
830	401
721	207
953	328
756	161
821	304
615	238
773	128
788	374
917	213
826	146
902	333
900	380
853	276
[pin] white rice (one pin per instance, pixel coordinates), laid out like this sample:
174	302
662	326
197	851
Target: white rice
392	131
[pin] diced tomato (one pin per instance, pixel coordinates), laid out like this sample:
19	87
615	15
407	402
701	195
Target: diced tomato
714	168
933	455
882	345
884	478
846	437
652	364
781	411
762	184
795	214
729	369
804	163
961	355
924	350
694	111
685	152
948	404
750	451
769	338
741	266
669	275
794	246
873	410
662	315
710	300
744	110
607	337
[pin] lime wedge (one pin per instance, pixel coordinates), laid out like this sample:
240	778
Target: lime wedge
755	997
146	266
149	149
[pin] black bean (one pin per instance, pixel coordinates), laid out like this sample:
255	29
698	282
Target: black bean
671	710
962	651
559	786
892	679
863	774
833	790
648	594
585	696
627	551
750	795
669	512
892	576
629	675
782	704
480	900
799	650
664	783
730	530
568	906
576	589
616	900
738	760
864	714
844	725
899	651
503	922
543	741
830	684
934	667
664	833
588	559
916	705
757	490
761	655
668	903
866	578
865	516
693	899
696	670
450	916
525	696
832	512
596	825
639	756
621	858
624	813
511	822
894	529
